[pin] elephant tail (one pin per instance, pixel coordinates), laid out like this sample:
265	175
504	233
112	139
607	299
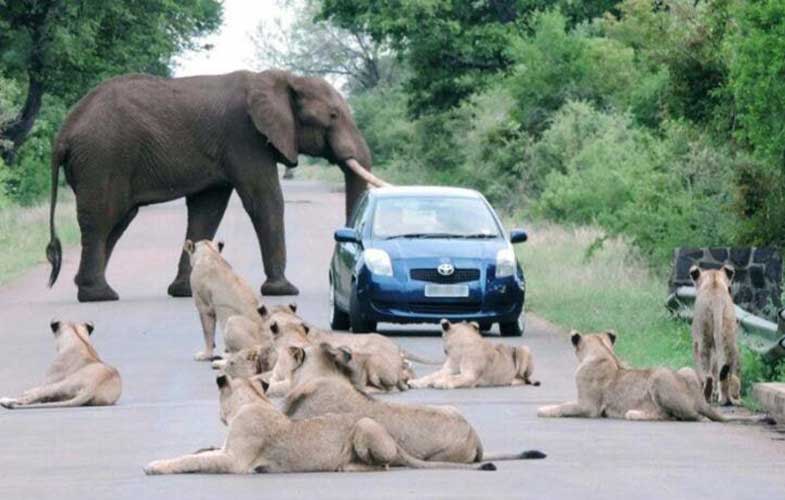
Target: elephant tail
54	250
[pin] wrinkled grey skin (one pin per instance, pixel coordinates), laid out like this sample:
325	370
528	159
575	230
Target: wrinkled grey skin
137	140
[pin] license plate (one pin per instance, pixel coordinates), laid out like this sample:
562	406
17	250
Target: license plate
446	290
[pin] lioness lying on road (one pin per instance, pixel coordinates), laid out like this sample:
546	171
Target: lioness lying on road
323	383
475	362
262	439
606	388
243	335
380	364
714	335
77	376
218	292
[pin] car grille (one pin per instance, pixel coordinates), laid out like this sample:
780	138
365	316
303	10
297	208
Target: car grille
433	276
445	308
430	307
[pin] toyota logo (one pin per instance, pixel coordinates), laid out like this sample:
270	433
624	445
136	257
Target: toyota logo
445	269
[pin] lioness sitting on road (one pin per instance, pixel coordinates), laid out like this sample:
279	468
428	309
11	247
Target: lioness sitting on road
475	362
218	292
714	343
261	439
606	388
325	383
77	376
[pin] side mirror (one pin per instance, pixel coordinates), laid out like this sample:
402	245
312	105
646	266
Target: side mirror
347	235
518	236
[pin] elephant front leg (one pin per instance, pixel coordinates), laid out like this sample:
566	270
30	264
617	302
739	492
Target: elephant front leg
205	211
265	206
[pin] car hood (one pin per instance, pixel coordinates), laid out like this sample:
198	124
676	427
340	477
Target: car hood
438	248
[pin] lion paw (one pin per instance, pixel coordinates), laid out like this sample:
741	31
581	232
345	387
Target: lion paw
203	356
9	403
154	468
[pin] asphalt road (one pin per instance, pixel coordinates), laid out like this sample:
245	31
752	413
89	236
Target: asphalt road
169	403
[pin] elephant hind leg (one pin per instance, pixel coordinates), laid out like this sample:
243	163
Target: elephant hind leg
118	230
205	211
98	216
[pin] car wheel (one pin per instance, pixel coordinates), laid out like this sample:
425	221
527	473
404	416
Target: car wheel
359	323
485	326
339	320
512	329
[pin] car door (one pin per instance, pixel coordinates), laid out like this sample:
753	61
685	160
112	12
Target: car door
347	254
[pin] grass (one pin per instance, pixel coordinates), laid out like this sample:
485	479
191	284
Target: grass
611	289
24	234
576	284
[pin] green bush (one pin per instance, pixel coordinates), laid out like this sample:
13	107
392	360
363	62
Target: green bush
661	192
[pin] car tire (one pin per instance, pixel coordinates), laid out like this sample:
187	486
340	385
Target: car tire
485	326
358	321
339	320
512	329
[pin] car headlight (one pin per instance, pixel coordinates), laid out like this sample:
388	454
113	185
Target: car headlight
505	263
378	262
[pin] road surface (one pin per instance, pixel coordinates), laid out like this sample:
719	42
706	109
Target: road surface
169	403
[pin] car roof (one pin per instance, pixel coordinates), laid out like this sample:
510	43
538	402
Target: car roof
396	191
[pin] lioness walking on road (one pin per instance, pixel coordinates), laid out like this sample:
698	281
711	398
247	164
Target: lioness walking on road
607	388
77	376
714	335
262	439
218	292
473	361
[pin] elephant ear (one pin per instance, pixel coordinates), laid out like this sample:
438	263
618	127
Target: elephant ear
269	101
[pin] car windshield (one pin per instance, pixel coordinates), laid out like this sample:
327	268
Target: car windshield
433	217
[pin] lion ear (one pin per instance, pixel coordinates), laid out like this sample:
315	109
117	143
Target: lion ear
222	381
298	354
445	324
89	326
265	385
189	247
730	271
262	310
611	336
695	273
293	307
54	325
306	328
475	325
575	337
220	246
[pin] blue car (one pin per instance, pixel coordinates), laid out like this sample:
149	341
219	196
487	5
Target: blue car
419	254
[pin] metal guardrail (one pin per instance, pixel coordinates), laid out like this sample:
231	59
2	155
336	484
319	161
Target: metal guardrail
763	336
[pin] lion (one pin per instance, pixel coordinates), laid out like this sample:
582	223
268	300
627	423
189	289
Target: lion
607	388
714	343
218	292
243	334
324	383
76	377
382	364
263	440
475	362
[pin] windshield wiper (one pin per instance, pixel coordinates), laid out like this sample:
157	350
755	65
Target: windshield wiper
480	236
421	235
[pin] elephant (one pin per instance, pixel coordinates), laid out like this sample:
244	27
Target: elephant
137	139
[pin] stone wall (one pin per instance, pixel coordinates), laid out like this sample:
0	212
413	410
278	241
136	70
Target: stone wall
757	285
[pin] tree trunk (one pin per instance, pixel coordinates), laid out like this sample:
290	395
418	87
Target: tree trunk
16	131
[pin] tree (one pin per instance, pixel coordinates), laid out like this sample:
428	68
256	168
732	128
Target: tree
63	48
309	46
453	47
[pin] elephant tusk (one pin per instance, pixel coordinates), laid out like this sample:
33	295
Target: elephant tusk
367	176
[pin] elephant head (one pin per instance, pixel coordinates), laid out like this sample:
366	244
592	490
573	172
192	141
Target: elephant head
307	115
